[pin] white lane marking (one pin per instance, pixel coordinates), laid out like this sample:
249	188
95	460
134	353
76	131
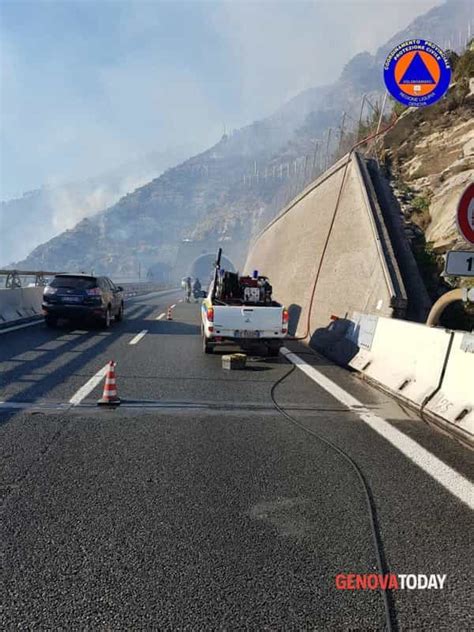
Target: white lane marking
36	322
434	467
180	300
89	386
160	316
172	306
138	337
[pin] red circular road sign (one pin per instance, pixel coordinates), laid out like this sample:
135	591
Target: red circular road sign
465	214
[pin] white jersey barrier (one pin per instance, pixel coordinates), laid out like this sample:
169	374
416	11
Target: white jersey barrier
20	303
432	369
455	399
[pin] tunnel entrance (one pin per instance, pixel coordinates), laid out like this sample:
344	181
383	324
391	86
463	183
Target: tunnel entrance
203	266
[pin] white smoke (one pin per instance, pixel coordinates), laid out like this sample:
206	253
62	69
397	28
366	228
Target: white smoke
69	206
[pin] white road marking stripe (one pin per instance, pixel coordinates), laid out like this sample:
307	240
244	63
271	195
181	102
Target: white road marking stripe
89	386
36	322
138	337
172	306
434	467
160	316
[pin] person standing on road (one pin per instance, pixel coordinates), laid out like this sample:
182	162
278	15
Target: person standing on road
188	289
197	289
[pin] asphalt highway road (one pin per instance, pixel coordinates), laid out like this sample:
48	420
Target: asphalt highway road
196	505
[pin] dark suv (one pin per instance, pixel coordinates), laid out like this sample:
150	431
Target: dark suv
82	297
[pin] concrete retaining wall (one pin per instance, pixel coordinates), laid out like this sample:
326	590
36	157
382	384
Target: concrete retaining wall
357	271
20	303
419	302
431	369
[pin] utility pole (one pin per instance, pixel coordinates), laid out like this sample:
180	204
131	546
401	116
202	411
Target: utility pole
304	170
341	131
316	145
360	115
379	124
382	109
326	163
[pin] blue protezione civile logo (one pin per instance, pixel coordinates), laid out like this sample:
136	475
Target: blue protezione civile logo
417	73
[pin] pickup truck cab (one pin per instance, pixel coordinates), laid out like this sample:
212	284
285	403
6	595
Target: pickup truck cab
246	324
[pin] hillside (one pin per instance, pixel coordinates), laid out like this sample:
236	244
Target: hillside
50	210
226	193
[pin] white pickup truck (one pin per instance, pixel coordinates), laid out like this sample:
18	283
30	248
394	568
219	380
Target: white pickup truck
239	322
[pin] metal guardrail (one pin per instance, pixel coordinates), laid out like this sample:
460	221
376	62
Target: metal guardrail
143	287
14	281
13	277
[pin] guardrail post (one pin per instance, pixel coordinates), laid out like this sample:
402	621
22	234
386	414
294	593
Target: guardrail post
40	281
13	280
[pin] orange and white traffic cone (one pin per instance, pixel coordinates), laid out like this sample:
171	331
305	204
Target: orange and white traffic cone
169	315
109	396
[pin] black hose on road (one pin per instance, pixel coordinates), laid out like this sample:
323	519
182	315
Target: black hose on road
389	608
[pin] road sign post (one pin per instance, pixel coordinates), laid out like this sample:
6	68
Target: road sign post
465	214
459	263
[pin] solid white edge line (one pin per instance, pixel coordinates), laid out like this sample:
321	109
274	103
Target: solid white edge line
88	387
451	480
172	306
160	316
138	337
35	322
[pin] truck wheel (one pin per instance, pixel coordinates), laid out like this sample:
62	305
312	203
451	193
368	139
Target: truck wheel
119	315
273	351
106	320
206	347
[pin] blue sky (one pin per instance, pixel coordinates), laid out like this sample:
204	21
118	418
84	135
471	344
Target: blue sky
86	86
